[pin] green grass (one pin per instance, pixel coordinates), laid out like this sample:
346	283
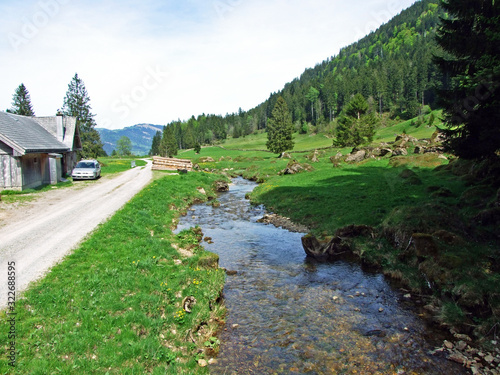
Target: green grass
327	195
409	127
116	165
258	142
114	305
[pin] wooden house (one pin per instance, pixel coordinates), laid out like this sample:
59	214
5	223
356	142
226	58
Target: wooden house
36	150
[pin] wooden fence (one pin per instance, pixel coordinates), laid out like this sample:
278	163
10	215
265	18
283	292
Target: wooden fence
171	164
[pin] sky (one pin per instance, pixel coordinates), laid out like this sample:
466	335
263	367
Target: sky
156	61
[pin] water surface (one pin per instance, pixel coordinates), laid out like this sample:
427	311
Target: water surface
288	314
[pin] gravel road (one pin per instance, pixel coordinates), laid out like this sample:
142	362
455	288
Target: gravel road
39	234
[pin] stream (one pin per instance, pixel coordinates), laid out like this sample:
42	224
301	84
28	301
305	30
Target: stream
288	314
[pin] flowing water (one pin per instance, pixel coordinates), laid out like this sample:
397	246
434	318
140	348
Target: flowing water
288	314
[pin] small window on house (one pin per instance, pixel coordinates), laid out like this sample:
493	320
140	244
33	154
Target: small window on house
35	160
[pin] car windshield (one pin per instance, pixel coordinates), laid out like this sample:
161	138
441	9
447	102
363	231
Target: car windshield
85	164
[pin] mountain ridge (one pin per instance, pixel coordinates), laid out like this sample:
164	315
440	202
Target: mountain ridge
141	136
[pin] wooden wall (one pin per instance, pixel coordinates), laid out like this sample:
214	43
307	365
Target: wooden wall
35	170
10	169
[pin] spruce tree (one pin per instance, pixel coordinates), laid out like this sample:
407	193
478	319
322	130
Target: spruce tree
470	40
77	104
155	145
356	124
21	102
280	128
168	144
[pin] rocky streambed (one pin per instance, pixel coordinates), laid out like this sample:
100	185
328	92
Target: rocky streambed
290	314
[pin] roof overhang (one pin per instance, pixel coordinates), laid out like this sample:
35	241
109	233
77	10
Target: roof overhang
17	149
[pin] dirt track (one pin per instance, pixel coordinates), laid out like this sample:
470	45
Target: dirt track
38	234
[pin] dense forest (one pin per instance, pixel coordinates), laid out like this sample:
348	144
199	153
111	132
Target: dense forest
391	68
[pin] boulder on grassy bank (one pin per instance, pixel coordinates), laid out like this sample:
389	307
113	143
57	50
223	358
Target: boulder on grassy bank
402	140
206	159
329	249
221	186
294	167
356	156
399	151
313	157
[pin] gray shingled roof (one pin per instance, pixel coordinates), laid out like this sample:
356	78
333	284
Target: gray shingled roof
71	137
25	135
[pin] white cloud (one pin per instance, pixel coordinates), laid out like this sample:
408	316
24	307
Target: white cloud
156	61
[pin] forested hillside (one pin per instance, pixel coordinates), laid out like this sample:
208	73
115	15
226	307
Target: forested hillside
391	68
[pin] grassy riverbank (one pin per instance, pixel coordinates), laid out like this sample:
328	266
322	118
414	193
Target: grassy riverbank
114	306
433	224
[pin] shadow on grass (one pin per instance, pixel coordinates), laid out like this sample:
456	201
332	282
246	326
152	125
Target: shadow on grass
361	195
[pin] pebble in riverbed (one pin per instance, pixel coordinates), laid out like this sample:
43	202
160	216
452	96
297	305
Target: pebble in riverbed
479	362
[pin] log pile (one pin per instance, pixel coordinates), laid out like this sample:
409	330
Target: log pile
171	164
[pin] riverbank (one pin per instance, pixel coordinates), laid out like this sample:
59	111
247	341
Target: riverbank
290	314
435	222
133	298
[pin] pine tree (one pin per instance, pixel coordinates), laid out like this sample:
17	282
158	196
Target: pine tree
77	104
312	96
469	39
155	145
21	102
168	145
356	124
280	128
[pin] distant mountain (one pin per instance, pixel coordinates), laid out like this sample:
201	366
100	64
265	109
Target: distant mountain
141	136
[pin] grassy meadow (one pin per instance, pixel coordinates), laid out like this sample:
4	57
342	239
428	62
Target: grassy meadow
110	165
114	305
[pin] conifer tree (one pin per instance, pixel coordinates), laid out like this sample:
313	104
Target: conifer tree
155	145
356	124
470	39
77	104
21	102
280	128
168	145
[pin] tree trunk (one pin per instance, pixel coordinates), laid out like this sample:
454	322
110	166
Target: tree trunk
380	105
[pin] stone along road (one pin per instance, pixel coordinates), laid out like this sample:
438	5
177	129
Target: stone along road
39	234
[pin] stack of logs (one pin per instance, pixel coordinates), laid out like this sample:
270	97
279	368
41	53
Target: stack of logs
171	164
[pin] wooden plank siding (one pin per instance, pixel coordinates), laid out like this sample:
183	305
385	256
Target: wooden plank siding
35	170
10	173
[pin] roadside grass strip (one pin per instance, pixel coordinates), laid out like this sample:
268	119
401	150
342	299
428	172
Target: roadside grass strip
114	306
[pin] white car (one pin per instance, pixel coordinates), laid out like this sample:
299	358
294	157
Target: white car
86	170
